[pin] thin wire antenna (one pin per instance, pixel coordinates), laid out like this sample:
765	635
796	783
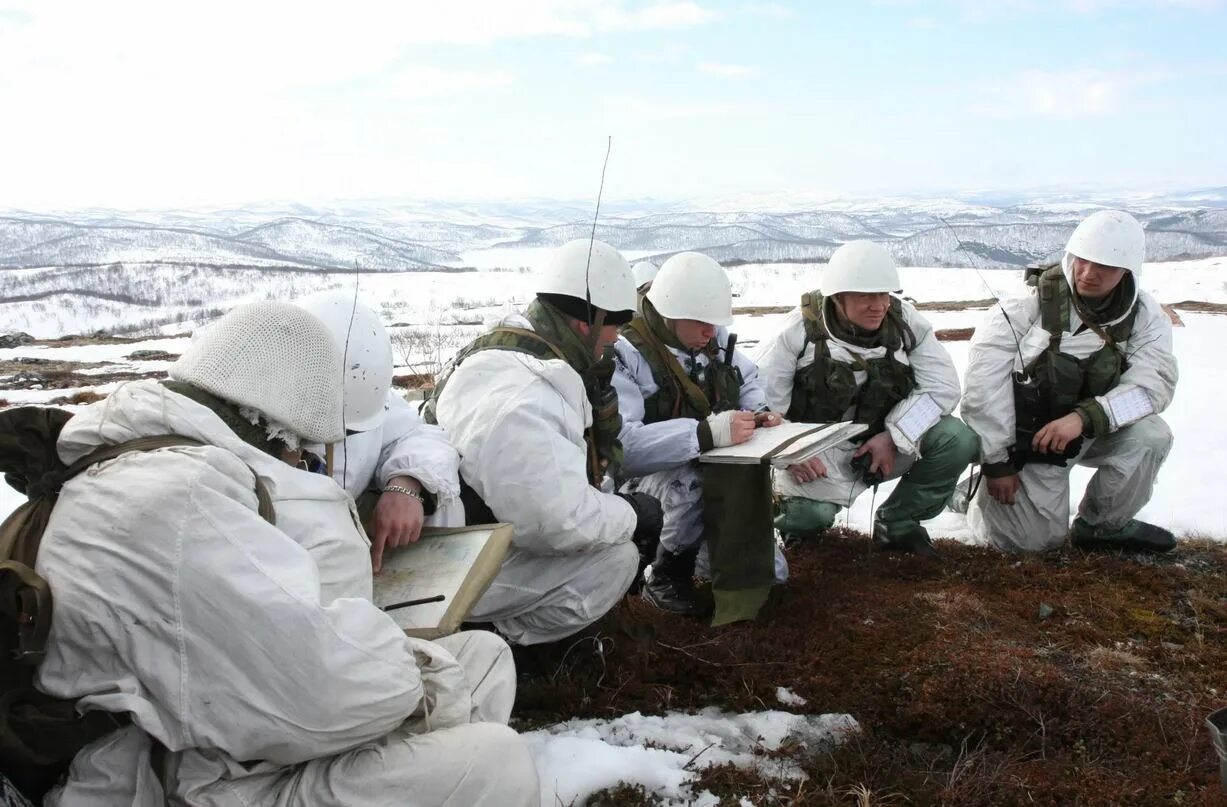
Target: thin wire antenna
592	238
1143	346
353	309
971	257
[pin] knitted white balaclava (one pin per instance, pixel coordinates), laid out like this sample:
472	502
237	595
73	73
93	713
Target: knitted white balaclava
275	358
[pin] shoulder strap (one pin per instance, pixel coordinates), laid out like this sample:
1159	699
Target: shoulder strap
811	316
1053	292
667	361
895	315
265	501
503	337
532	336
1055	302
23	592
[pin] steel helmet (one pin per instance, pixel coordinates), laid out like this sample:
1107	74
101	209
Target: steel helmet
860	266
273	357
605	279
693	286
366	351
1111	238
644	272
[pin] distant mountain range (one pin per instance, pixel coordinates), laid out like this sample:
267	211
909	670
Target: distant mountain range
920	232
84	270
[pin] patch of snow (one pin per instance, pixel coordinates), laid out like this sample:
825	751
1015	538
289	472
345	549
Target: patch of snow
10	500
111	353
789	698
663	753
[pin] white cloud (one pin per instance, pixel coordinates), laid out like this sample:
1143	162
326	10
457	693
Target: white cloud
774	11
421	81
643	111
1095	6
135	100
923	23
1063	94
614	17
728	70
595	59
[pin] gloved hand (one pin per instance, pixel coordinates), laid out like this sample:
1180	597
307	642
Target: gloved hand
649	521
730	428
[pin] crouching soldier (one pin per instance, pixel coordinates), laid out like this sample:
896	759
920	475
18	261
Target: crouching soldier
852	351
530	408
1075	373
683	389
402	472
189	602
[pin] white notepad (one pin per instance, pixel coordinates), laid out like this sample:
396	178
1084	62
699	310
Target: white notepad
786	444
1129	404
920	416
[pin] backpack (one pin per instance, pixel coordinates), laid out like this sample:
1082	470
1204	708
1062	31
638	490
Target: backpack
39	734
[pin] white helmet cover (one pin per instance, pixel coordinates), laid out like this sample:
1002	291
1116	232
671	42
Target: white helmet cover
644	272
273	357
693	286
1111	238
366	353
861	266
605	278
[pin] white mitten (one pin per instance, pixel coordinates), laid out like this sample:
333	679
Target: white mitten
721	426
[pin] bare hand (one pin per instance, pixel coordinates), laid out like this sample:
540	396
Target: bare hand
768	420
807	471
882	448
1004	488
742	427
1058	434
397	520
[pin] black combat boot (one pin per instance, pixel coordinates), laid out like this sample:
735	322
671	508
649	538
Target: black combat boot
672	585
1135	536
914	541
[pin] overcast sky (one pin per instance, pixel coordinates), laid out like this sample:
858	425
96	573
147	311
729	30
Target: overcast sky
131	104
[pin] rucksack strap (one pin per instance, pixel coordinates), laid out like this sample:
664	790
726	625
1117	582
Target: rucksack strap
105	453
532	336
25	597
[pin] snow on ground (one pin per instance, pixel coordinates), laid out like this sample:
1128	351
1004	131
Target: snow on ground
111	353
789	698
515	257
10	500
772	284
432	298
663	753
1185	497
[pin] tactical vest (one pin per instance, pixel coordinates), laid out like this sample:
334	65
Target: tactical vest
679	394
823	391
604	450
1062	380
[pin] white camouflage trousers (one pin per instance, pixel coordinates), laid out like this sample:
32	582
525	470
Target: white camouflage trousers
479	763
1128	463
543	598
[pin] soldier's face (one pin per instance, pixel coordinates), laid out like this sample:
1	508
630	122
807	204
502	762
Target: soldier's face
865	311
606	337
1094	280
692	333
